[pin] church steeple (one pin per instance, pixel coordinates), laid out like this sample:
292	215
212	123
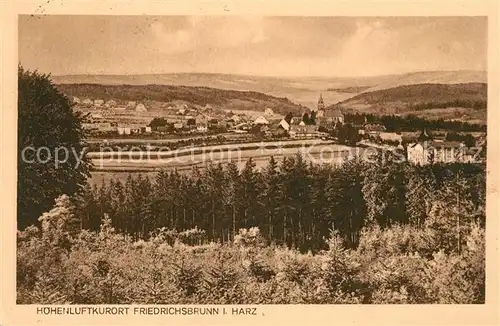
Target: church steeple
321	104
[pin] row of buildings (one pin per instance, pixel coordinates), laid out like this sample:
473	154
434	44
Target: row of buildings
113	105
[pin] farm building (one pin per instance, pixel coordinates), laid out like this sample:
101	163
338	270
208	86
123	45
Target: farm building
140	108
98	126
391	136
261	120
307	131
127	129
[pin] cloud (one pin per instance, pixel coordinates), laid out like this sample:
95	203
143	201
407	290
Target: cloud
209	32
366	50
171	41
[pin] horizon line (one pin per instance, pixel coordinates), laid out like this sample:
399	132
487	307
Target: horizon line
264	76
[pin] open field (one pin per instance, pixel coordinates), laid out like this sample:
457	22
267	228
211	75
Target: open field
160	139
317	152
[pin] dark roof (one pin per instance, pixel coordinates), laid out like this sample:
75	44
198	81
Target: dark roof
333	113
446	144
440	144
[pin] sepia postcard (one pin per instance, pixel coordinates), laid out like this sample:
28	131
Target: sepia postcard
237	163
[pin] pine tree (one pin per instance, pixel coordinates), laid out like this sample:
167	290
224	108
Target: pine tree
248	195
270	197
231	199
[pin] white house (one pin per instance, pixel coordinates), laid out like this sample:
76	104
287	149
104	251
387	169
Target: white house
123	130
285	125
261	120
306	131
429	152
140	108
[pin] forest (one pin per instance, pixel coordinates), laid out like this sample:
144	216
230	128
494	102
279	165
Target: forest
291	233
292	202
394	123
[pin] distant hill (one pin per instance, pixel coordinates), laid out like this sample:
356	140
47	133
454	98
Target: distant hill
351	89
197	96
430	77
465	101
301	90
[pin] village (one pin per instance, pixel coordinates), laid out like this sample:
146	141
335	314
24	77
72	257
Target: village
109	118
134	120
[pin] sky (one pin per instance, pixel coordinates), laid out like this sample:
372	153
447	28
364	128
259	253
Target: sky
251	45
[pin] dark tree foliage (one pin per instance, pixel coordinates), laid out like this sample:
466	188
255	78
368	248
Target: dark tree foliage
394	123
158	122
468	139
305	118
312	118
348	134
292	202
46	120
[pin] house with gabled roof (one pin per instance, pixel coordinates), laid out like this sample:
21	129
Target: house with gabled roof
260	120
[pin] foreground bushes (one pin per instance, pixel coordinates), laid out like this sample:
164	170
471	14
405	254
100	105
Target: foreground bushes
402	264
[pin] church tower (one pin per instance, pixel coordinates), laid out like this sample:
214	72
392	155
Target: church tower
321	107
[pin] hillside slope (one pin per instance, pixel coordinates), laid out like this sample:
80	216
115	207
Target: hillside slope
197	96
301	90
448	101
